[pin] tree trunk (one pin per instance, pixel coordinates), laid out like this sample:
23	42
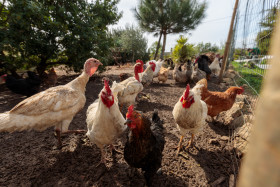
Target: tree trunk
14	74
42	66
158	45
163	45
132	57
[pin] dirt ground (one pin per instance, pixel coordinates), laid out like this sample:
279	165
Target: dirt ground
31	158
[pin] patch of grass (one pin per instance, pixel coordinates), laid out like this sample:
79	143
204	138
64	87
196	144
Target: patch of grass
252	76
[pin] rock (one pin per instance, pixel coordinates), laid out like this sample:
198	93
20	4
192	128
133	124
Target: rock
214	141
228	81
224	138
231	182
218	181
227	117
241	98
229	74
242	138
223	86
237	122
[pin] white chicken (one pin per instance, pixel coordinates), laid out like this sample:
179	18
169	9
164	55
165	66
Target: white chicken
215	66
105	122
55	106
146	77
190	113
158	66
128	89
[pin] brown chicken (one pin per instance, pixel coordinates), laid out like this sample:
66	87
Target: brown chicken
124	76
50	78
163	74
218	101
145	143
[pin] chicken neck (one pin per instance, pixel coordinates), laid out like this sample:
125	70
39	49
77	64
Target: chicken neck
80	82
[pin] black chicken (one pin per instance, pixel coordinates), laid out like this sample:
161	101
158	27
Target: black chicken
203	62
145	143
28	86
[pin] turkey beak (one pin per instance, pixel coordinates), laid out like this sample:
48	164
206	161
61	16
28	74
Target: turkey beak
128	121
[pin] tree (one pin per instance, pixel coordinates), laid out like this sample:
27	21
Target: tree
132	40
263	37
207	47
153	50
44	33
163	17
130	43
182	50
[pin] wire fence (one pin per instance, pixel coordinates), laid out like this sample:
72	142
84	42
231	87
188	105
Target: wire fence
249	56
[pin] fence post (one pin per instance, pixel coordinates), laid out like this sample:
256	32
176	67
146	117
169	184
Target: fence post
228	41
261	164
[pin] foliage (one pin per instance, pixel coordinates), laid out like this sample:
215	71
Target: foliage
207	47
237	53
264	36
252	76
153	50
165	16
182	50
130	43
44	33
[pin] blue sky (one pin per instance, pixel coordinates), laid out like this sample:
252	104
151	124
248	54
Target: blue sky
214	28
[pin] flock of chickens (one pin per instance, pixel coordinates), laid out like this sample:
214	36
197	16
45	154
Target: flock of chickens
143	149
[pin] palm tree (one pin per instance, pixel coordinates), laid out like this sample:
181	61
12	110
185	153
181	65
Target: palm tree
163	17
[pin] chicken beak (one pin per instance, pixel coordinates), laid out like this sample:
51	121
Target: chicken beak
128	121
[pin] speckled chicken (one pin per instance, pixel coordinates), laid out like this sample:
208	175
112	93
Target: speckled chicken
179	75
146	77
55	106
145	143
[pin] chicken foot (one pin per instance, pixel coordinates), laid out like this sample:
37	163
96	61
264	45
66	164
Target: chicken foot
113	149
103	158
58	135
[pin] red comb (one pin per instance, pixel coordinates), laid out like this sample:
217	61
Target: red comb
187	91
130	110
140	61
242	89
106	85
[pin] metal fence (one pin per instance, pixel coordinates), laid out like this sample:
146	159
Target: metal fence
249	55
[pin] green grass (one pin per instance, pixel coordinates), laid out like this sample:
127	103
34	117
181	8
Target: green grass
252	76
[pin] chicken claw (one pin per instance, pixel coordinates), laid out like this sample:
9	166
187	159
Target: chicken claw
113	149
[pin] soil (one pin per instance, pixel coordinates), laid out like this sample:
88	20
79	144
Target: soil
31	158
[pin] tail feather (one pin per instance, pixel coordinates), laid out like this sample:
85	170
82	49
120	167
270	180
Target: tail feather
203	82
157	123
13	122
201	88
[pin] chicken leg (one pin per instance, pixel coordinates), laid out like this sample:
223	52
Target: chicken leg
190	142
58	133
180	145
